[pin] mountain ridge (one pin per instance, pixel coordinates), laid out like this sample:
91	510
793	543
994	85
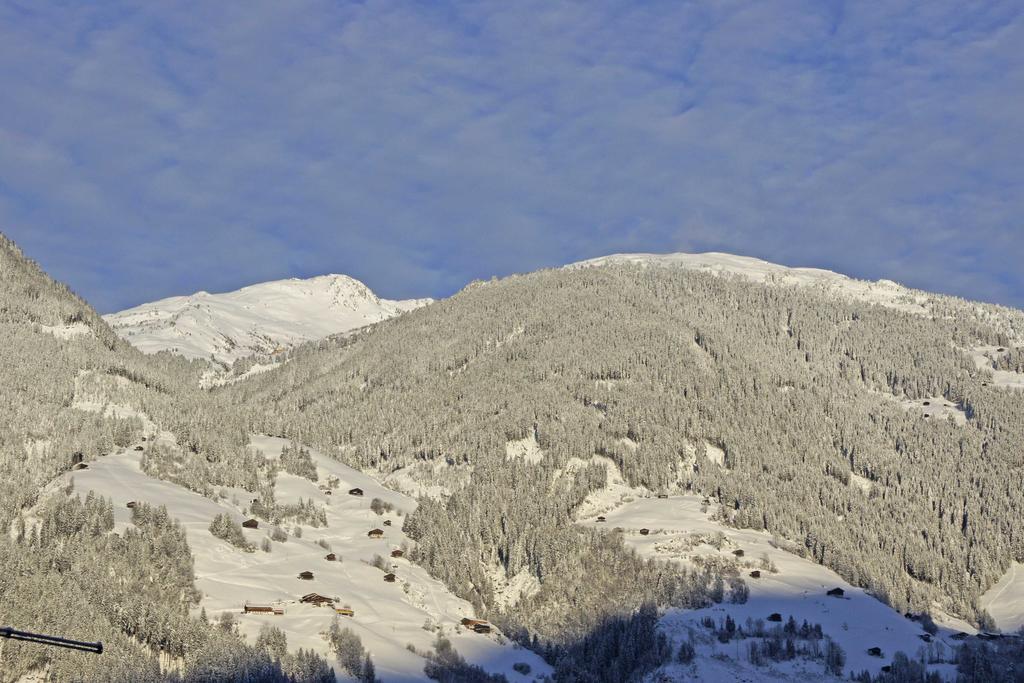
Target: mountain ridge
259	319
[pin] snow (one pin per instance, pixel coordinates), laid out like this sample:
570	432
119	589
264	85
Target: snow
937	408
387	616
259	319
67	331
882	292
983	357
525	449
680	531
1005	600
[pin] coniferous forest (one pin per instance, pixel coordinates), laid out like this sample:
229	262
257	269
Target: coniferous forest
816	400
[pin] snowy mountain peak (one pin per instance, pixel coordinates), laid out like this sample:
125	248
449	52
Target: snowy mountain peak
881	292
258	319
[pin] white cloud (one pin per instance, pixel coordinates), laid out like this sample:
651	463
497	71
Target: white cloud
417	146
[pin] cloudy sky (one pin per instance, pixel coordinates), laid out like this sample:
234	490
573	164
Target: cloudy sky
153	149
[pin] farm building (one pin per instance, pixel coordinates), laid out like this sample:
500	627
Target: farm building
756	574
387	522
306	576
837	592
250	608
376	533
316	599
344	611
251	524
662	495
644	532
470	623
482	628
131	504
139	448
601	518
875	651
331	557
397	553
390	578
355	492
774	616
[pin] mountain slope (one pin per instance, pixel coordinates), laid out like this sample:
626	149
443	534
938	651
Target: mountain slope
819	418
259	319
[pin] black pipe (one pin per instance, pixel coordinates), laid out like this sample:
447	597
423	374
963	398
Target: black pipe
7	632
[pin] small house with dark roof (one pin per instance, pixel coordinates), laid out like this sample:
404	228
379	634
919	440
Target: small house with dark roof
644	532
390	578
756	574
355	492
251	524
331	557
837	592
131	504
601	518
375	533
397	553
306	576
387	522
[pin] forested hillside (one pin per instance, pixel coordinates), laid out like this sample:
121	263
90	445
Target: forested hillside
865	433
73	392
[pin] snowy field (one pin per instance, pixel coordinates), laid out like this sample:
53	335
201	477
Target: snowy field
982	357
388	616
1005	600
680	531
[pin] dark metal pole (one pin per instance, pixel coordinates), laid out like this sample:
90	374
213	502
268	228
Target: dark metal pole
7	632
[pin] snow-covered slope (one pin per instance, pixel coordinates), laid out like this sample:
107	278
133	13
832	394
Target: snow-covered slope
259	319
389	618
683	529
883	292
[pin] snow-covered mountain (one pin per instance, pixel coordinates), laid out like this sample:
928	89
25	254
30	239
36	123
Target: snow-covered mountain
259	319
882	292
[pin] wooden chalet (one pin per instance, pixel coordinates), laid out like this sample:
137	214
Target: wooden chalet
470	623
482	628
139	448
355	492
601	518
644	532
306	576
662	495
774	616
397	553
331	557
251	524
344	611
131	504
316	599
390	578
837	592
875	651
738	552
387	522
756	574
250	608
376	533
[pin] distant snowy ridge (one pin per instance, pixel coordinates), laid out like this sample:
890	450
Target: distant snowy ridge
882	292
259	319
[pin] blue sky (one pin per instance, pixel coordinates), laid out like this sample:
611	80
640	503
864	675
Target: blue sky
154	149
